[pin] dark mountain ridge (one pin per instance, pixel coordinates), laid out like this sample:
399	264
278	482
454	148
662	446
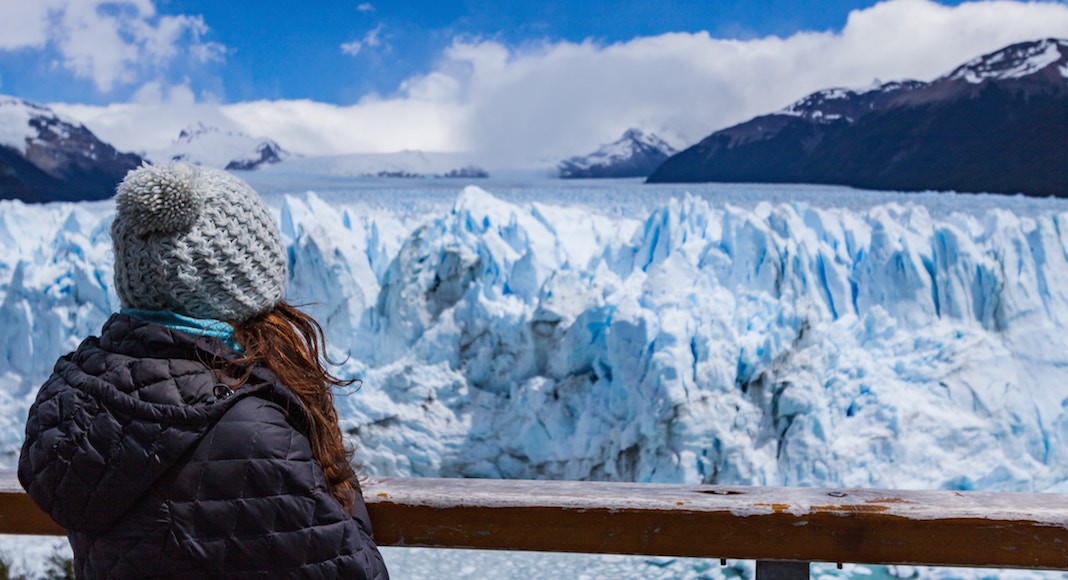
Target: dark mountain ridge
998	123
46	158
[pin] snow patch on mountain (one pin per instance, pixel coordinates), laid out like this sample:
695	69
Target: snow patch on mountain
631	141
635	154
1014	62
214	147
21	123
15	117
46	157
809	106
838	103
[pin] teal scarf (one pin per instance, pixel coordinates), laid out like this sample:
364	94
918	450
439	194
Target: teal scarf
187	324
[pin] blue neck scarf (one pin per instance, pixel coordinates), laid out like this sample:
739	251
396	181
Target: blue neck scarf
187	324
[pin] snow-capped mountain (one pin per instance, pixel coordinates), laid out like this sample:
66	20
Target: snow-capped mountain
232	150
45	157
833	104
1047	57
996	123
635	154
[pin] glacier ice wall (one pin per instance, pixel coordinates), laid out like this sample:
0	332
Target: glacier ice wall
784	344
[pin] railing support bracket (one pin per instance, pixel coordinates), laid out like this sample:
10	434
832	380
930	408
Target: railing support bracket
777	570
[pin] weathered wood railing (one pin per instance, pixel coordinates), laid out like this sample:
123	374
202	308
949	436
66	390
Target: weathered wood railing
782	528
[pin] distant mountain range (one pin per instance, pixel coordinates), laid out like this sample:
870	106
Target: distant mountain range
635	154
44	157
214	147
998	123
396	165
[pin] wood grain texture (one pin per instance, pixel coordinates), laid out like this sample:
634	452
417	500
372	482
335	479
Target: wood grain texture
762	523
864	526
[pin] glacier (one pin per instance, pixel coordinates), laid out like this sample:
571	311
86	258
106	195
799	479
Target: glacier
892	345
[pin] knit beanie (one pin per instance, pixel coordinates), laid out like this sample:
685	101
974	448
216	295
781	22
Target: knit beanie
195	241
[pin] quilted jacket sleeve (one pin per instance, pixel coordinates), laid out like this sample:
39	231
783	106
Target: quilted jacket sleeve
251	500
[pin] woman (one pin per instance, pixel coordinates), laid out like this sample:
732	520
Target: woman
197	436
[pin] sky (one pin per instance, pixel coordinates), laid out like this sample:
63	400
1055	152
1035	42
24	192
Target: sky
515	81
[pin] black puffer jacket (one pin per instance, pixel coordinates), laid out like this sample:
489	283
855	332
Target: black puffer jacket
155	469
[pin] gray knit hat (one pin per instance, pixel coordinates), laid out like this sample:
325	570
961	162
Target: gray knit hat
196	241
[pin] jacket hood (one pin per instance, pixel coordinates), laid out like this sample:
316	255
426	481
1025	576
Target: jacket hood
120	411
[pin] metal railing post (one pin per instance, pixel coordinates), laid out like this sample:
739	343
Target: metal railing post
778	570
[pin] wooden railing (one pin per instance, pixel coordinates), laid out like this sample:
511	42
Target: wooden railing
782	528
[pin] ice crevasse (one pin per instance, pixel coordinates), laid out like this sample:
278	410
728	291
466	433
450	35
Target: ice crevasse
781	345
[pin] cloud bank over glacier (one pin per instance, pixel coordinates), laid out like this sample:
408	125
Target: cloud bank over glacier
528	103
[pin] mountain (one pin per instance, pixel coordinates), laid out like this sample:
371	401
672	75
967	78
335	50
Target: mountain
397	165
231	150
44	157
635	154
998	123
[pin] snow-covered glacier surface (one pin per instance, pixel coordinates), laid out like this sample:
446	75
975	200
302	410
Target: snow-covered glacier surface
785	343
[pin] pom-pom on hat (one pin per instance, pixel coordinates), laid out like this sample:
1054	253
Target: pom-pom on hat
195	241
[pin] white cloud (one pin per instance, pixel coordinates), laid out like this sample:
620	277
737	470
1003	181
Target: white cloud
569	97
352	48
365	7
542	102
157	113
370	39
26	24
152	119
111	42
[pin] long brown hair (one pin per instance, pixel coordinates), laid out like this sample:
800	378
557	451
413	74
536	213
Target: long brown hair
291	345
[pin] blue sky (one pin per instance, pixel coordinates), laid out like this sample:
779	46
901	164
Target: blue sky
285	50
518	83
282	53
